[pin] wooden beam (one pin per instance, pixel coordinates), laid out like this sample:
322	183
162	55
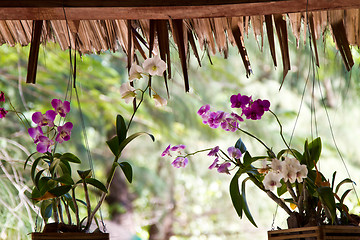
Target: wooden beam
159	9
34	51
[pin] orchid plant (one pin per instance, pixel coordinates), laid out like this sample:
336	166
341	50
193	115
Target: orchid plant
51	172
290	178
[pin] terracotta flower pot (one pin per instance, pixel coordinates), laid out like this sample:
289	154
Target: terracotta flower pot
69	236
325	232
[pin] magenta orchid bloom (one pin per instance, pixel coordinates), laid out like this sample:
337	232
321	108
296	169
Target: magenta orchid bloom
3	112
46	119
180	162
61	107
224	168
166	152
64	132
178	148
214	151
214	164
44	144
234	152
2	96
35	133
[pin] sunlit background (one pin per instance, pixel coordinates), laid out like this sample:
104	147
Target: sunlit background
192	202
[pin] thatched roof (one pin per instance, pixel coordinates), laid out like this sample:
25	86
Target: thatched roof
97	26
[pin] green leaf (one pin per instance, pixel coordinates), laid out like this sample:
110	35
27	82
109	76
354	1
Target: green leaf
28	158
344	195
333	180
293	152
54	165
65	179
61	190
65	167
120	128
346	180
70	158
33	168
96	183
281	190
37	177
326	196
124	143
314	149
84	174
46	209
235	195
240	145
127	170
245	206
113	144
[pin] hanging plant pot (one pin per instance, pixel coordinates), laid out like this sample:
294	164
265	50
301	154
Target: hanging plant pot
69	236
326	232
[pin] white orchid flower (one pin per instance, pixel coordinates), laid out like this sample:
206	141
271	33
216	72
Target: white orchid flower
159	101
127	92
272	181
154	66
135	72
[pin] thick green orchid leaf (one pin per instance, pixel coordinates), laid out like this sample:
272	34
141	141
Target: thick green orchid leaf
326	196
293	152
346	180
46	209
65	167
333	180
344	195
70	158
120	128
28	158
84	174
54	165
124	143
33	168
283	189
61	190
247	159
315	149
240	145
245	206
37	177
127	170
113	144
65	179
96	183
236	197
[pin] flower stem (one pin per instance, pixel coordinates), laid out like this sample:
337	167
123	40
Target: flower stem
137	107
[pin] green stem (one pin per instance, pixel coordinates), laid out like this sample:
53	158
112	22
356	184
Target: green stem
281	132
88	204
76	209
137	107
259	140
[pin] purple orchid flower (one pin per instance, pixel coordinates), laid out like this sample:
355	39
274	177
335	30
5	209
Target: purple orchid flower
180	162
214	164
64	132
234	152
44	144
239	101
61	107
166	152
35	133
46	119
214	151
2	96
203	110
3	112
178	148
224	168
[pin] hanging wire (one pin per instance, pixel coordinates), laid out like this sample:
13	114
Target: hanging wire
72	82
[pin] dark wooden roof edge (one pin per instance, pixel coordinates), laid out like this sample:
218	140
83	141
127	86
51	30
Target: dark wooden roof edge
159	9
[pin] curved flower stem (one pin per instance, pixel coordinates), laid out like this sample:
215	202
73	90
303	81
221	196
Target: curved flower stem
259	140
137	107
281	133
199	151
